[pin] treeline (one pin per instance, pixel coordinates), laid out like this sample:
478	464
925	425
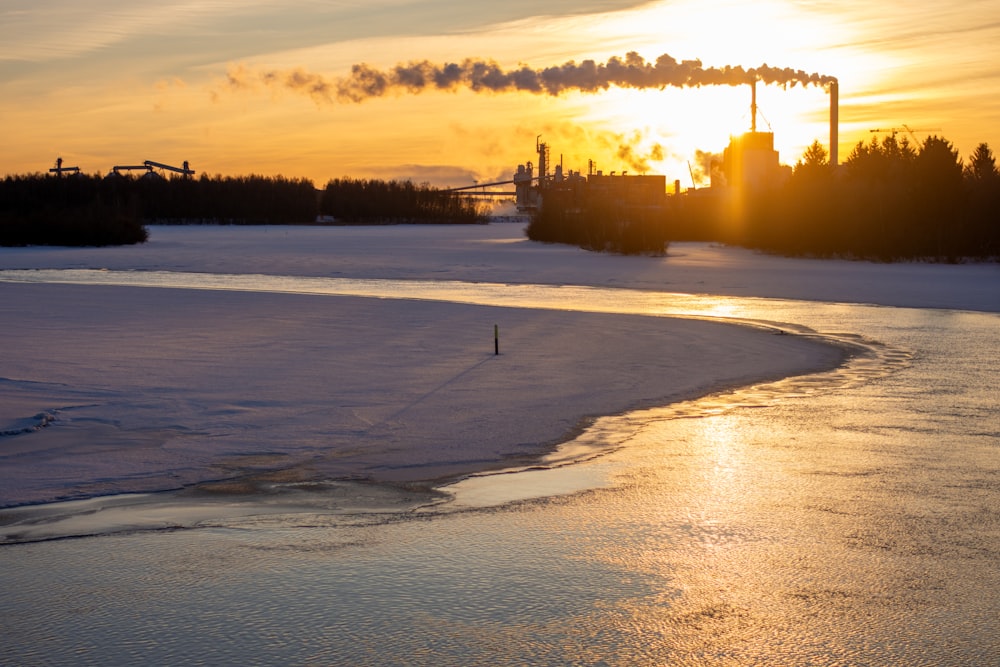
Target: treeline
889	201
228	200
78	209
599	221
367	201
74	211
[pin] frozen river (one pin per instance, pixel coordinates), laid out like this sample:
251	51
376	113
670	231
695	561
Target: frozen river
850	518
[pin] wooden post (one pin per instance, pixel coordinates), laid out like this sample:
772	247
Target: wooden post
496	339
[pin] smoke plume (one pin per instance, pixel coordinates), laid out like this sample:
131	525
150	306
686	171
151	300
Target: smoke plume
631	152
632	71
706	165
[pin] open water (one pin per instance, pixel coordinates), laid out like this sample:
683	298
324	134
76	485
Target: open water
847	518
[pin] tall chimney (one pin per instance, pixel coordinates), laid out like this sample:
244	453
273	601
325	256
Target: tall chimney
753	105
834	122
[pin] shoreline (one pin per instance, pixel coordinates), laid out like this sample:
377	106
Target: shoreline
189	386
501	253
274	495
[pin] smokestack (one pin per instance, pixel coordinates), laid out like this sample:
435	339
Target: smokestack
834	122
753	105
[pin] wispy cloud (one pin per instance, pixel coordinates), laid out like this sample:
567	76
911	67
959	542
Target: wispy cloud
34	31
43	31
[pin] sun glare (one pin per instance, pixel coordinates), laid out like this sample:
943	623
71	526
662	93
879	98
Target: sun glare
681	125
677	131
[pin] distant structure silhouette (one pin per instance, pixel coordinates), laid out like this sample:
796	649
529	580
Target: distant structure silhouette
59	169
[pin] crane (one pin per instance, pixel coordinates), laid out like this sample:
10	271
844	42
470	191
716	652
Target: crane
149	165
119	168
59	169
893	131
185	170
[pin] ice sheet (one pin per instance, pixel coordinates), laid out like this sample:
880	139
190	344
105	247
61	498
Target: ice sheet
107	390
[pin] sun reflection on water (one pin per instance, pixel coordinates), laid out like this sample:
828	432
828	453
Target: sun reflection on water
789	523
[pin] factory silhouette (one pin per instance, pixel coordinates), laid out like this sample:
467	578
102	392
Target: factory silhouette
749	162
891	199
632	213
148	166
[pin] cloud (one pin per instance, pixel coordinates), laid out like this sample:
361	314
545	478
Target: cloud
31	31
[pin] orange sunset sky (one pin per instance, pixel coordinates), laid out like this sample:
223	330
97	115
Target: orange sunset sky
110	82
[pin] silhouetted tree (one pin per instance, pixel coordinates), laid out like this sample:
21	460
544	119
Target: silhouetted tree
877	200
364	201
815	158
890	201
938	198
599	221
982	167
798	218
74	210
982	181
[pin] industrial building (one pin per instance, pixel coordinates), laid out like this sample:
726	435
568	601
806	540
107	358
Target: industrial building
149	168
622	189
749	162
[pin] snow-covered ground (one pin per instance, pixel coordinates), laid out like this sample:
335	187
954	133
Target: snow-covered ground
137	389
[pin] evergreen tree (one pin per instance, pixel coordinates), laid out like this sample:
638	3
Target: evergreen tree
983	218
982	167
938	198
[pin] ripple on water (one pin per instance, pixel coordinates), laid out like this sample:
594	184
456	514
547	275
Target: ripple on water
820	529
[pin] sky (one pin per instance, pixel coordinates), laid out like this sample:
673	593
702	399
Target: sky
265	87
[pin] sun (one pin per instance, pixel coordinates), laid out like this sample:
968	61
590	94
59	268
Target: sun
668	127
684	123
